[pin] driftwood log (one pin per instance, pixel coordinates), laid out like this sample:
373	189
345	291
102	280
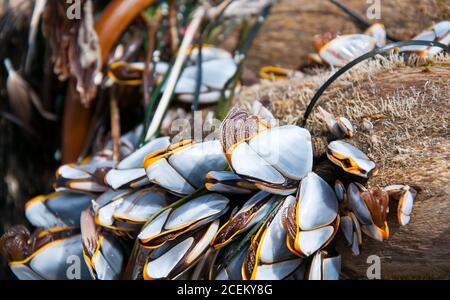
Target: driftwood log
409	107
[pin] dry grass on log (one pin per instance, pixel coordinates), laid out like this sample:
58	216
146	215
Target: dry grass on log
409	106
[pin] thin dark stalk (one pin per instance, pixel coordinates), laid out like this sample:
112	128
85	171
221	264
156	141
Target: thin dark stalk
147	80
360	21
154	98
204	33
99	118
177	67
224	103
255	29
156	90
173	30
199	76
247	38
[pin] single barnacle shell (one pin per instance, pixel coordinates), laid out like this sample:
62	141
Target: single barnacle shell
345	48
351	159
268	257
127	210
89	175
130	171
367	125
274	159
253	211
173	222
340	127
58	209
349	223
83	178
124	73
405	196
227	182
313	221
325	266
340	191
440	32
181	168
172	259
370	207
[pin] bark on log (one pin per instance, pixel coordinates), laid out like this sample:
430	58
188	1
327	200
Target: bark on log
409	108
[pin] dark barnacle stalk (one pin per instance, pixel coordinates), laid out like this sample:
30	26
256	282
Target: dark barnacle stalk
152	90
204	32
194	106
